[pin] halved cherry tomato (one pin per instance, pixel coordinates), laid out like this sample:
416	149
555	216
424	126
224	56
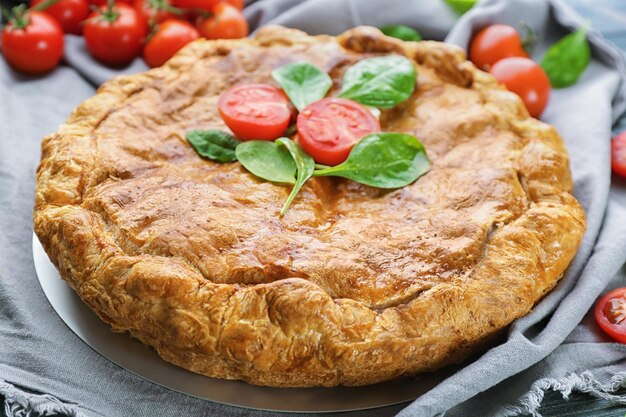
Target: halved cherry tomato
154	11
526	79
206	5
255	111
329	128
33	42
618	154
227	22
69	13
114	36
610	313
170	37
494	43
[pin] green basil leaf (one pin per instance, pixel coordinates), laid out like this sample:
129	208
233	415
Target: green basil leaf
566	60
383	160
267	160
461	6
401	32
304	83
214	144
380	82
304	167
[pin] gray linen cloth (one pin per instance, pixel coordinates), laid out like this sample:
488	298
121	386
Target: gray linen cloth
46	368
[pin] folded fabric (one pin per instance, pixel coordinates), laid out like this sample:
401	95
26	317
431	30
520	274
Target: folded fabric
39	354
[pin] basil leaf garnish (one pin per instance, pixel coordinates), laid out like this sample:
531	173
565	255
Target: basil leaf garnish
267	160
380	82
304	167
461	6
566	60
383	160
304	83
401	32
214	144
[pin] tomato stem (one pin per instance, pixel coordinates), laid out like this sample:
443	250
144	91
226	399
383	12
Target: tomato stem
109	14
18	17
44	5
165	5
529	37
203	13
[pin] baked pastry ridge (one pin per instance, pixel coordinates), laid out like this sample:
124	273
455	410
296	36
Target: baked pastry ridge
354	285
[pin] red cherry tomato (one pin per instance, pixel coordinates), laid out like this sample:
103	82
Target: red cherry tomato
610	313
618	154
170	37
33	43
329	128
206	5
494	43
227	22
69	13
153	11
255	111
526	79
114	36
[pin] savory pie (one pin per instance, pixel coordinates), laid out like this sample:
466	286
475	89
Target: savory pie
354	284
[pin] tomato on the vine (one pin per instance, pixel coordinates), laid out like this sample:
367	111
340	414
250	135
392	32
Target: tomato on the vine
330	127
618	154
154	11
32	41
526	79
69	13
494	43
114	34
227	22
255	111
610	314
170	37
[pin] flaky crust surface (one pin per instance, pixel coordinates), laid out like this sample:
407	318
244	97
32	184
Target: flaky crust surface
354	285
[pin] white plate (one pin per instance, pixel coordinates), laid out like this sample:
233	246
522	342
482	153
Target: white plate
134	356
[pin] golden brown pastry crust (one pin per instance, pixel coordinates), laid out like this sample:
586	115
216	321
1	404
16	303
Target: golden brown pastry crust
354	285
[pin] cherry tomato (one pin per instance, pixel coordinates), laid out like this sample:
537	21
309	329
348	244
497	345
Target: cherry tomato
206	5
610	313
114	36
227	22
494	43
69	13
33	42
526	79
255	111
154	11
329	128
618	154
170	37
